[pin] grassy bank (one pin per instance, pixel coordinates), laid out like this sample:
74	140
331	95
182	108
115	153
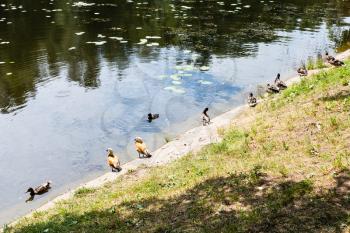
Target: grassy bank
282	167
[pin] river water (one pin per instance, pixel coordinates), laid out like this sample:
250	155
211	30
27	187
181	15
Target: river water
78	77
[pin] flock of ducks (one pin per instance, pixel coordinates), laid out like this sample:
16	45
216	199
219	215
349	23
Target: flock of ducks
141	148
112	161
279	85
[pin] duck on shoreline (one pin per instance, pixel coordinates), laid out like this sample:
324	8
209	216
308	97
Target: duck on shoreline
141	148
302	71
272	89
279	83
252	100
113	161
41	189
205	117
336	62
329	57
331	60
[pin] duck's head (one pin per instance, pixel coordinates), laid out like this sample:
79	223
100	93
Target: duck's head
326	53
278	75
31	191
109	151
149	115
205	110
138	139
251	94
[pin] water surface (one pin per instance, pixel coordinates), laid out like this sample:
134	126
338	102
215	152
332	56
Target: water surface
78	77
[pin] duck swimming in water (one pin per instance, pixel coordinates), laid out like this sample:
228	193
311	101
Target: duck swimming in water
113	160
272	88
41	189
302	71
205	117
152	117
279	83
252	100
141	148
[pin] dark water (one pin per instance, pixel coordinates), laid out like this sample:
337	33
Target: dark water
76	78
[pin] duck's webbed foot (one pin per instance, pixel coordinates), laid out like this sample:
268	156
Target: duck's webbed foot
30	199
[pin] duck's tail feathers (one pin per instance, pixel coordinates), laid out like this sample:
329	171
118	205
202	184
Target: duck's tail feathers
149	155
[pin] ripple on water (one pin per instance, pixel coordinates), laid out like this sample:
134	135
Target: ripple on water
63	93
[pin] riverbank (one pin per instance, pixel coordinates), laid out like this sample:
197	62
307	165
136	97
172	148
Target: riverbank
145	190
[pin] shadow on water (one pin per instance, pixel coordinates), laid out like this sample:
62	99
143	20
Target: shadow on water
245	202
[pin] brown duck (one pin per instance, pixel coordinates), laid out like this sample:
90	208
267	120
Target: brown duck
113	160
141	148
41	189
279	83
252	100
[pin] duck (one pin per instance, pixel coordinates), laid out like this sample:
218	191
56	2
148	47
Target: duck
141	148
335	62
41	189
252	100
205	117
329	57
331	60
113	160
279	83
152	117
272	88
302	71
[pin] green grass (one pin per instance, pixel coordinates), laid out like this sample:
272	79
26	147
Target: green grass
84	191
315	63
284	169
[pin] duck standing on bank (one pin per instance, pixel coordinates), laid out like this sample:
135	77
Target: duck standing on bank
152	117
252	100
141	148
279	83
329	57
331	60
302	71
336	62
205	117
41	189
113	161
272	89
